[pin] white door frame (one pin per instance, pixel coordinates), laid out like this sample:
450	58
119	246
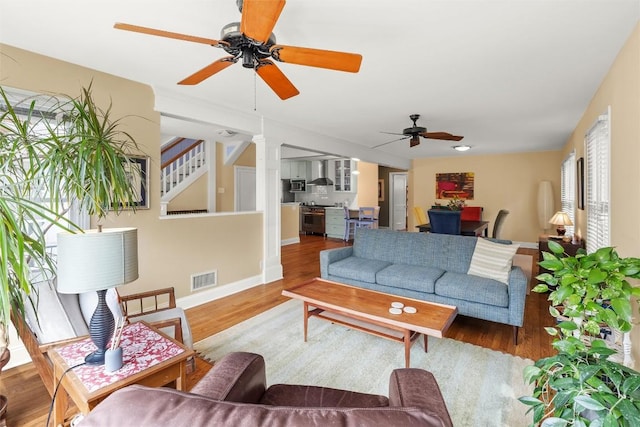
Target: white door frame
397	199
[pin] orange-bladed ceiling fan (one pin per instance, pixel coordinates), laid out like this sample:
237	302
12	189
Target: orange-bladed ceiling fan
252	40
416	132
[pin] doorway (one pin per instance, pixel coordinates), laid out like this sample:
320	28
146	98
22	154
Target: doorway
398	201
245	188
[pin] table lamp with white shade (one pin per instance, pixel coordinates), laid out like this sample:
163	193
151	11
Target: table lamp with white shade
97	260
560	219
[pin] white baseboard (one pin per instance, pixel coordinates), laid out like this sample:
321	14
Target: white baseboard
291	241
218	292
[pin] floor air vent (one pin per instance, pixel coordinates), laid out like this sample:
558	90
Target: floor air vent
204	280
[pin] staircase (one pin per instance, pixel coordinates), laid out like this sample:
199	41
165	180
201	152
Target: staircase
183	161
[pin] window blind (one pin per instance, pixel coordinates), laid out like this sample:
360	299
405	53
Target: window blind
568	189
597	149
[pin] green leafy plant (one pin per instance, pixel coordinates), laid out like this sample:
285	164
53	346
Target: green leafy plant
580	385
70	152
456	203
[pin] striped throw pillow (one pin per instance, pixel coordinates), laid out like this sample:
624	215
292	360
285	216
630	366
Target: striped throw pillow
492	260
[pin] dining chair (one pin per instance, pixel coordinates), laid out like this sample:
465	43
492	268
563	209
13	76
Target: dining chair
471	213
367	216
443	221
497	225
421	217
350	224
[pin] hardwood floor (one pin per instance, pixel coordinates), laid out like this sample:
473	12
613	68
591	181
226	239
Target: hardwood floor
29	401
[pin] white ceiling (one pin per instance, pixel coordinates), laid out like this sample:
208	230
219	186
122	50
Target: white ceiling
509	75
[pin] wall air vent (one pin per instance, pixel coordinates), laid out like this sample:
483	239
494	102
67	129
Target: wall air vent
204	280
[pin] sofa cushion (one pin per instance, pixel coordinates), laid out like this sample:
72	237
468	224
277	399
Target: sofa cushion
321	397
473	288
414	277
355	268
492	260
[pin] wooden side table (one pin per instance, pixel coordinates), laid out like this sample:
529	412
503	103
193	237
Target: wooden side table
150	358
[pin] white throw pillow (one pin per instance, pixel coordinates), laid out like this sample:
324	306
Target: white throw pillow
492	260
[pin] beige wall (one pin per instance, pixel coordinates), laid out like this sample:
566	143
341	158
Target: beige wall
169	250
367	184
620	90
289	221
505	181
225	175
193	197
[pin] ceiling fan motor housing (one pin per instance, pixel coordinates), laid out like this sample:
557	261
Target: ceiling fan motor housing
414	130
239	45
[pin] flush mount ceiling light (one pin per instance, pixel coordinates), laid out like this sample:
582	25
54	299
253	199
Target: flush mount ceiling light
226	132
461	147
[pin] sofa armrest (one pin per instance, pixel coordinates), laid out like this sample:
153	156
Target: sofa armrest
518	284
237	377
412	387
329	256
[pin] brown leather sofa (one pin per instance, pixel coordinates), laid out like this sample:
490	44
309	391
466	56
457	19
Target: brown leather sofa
234	393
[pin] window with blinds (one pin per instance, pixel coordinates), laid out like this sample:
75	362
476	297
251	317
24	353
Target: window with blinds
597	149
568	189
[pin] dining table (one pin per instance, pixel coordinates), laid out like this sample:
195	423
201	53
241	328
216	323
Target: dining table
467	228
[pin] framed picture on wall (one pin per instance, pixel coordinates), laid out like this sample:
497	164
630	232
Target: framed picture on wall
138	174
580	183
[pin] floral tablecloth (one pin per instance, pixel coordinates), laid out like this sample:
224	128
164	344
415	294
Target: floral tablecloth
142	348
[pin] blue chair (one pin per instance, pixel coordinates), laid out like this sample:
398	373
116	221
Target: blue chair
444	221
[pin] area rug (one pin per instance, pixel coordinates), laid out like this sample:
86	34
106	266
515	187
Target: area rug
480	386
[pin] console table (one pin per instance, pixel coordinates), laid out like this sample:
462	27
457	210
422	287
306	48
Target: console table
150	358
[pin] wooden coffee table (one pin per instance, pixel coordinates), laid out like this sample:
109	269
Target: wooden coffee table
368	311
151	358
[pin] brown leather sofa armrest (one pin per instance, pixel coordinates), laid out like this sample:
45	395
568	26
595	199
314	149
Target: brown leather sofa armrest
237	377
412	387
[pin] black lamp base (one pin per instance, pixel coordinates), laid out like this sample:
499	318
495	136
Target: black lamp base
561	231
100	329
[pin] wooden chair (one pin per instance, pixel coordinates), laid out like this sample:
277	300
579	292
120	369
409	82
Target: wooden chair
157	302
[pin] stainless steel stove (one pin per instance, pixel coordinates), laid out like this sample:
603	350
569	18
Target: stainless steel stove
313	219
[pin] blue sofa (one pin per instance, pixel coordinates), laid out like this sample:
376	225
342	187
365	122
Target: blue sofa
430	267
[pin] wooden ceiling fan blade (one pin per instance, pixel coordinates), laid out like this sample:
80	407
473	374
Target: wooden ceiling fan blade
441	135
276	79
340	61
168	34
259	17
209	71
415	140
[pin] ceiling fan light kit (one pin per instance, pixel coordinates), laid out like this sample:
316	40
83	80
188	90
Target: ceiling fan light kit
252	40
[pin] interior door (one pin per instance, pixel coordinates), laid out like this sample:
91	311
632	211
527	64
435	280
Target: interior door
245	188
398	200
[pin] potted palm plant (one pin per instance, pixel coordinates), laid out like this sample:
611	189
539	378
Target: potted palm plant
581	385
72	151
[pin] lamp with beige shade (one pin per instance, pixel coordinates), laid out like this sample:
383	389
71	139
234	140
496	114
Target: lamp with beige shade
560	219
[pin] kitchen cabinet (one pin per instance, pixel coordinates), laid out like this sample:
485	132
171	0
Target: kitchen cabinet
341	173
294	169
334	222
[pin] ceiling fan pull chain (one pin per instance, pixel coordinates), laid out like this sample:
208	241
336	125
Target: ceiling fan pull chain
255	89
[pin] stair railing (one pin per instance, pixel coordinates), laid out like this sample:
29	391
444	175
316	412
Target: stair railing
175	170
